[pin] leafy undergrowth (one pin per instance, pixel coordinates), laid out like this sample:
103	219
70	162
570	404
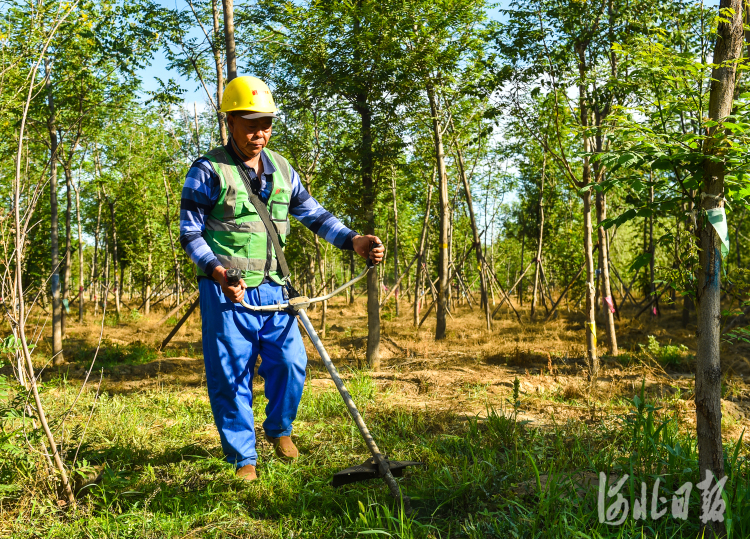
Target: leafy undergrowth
161	472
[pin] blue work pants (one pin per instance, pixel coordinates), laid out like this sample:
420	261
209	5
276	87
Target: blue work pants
233	337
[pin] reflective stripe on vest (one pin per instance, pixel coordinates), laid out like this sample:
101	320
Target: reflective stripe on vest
234	231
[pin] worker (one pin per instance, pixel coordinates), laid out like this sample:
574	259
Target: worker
220	228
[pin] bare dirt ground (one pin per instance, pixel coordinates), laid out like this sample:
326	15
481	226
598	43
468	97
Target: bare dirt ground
467	374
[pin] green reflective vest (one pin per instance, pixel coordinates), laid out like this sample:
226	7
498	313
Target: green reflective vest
234	230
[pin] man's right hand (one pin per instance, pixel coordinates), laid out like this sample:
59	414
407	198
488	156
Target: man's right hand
235	293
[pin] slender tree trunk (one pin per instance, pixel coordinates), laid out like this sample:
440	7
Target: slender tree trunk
105	284
728	48
121	290
541	237
420	256
395	237
362	108
18	285
175	260
323	282
219	70
80	256
652	250
606	289
149	270
475	233
67	262
351	273
229	39
443	291
94	267
591	352
523	248
57	331
115	258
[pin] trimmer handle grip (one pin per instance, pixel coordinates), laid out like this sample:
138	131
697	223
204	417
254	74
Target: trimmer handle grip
233	276
369	262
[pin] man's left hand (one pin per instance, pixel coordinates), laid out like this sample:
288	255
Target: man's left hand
369	247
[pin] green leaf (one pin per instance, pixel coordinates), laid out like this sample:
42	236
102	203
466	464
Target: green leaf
640	261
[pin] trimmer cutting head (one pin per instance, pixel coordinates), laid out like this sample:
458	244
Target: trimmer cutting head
370	470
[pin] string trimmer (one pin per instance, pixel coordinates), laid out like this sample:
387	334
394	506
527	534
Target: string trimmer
378	465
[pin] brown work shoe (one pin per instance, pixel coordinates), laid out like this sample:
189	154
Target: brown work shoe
284	447
247	473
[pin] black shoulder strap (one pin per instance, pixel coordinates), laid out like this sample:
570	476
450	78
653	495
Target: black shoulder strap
283	165
271	229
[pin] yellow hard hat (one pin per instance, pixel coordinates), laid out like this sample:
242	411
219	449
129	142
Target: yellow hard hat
250	94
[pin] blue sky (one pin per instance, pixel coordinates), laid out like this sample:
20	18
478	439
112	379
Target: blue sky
193	92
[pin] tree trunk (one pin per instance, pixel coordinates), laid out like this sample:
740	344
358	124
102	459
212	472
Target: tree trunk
362	108
80	256
523	247
729	41
229	39
323	282
175	260
94	268
115	258
591	353
541	237
219	71
67	262
351	273
606	289
149	270
420	254
105	285
57	351
475	233
442	177
395	237
652	251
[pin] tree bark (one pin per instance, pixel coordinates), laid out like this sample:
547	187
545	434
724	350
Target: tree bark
652	251
94	265
591	352
57	333
323	283
475	234
80	256
67	262
229	39
219	71
362	107
523	247
175	260
541	237
727	51
115	258
18	284
420	255
606	288
395	237
443	262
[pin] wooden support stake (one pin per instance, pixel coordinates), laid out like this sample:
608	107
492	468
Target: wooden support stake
177	309
179	324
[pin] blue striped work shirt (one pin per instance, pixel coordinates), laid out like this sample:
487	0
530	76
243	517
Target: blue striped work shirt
201	192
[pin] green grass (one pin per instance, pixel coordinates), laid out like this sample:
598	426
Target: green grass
116	354
164	475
